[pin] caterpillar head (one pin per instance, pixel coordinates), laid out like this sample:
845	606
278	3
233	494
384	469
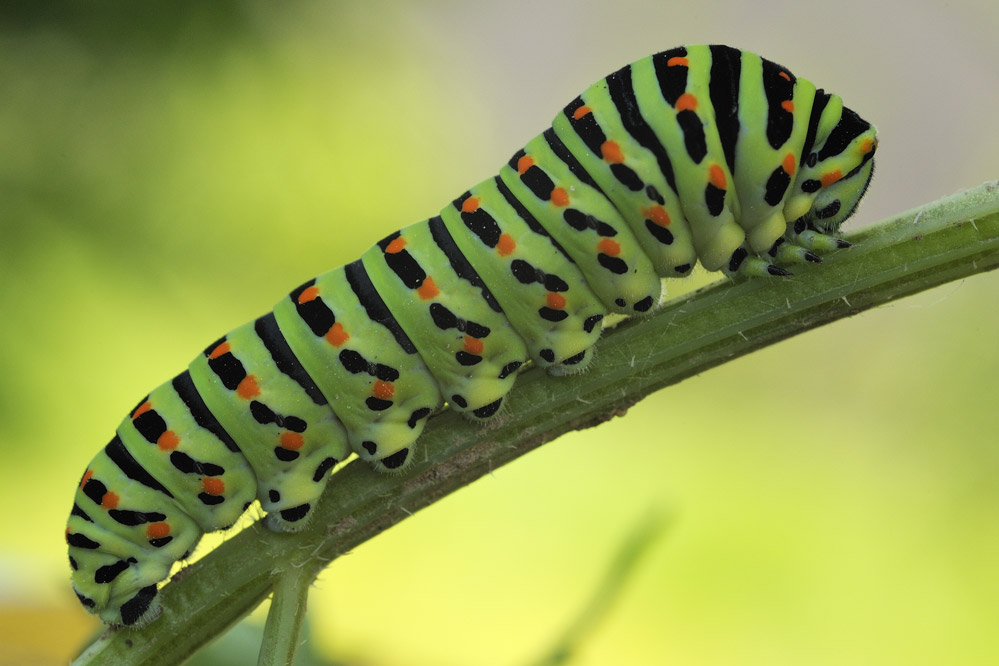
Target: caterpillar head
835	173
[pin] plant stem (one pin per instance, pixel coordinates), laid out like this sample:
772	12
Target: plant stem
282	633
635	545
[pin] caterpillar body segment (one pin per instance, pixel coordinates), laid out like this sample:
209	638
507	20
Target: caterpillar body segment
766	152
554	187
173	430
262	396
376	383
699	154
544	295
449	313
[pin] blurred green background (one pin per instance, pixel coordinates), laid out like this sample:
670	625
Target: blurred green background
169	173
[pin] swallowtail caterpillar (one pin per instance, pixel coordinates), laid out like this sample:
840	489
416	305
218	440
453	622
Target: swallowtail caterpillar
702	154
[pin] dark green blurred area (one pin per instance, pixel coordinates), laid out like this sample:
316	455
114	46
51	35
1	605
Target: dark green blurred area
114	26
90	95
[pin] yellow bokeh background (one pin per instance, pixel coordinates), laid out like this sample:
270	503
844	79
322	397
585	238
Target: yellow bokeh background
167	174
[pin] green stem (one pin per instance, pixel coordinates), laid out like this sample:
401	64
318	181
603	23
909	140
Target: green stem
635	545
952	238
282	633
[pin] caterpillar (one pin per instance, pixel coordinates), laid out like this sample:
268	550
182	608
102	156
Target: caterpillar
704	154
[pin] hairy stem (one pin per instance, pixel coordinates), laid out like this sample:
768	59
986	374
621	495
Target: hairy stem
283	631
949	239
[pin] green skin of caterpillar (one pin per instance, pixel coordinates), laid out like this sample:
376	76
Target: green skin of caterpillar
639	178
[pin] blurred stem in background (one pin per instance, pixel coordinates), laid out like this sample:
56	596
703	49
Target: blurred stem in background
630	553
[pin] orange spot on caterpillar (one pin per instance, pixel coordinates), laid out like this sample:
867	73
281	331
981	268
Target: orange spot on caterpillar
223	348
168	441
292	441
716	176
213	485
555	301
157	530
609	247
677	61
658	215
560	197
612	152
866	146
395	247
473	345
141	409
428	289
581	111
86	477
248	388
110	500
784	75
506	245
383	390
686	102
787	105
470	205
789	164
524	163
831	177
309	294
336	336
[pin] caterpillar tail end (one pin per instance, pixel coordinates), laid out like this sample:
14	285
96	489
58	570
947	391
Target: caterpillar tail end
142	608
